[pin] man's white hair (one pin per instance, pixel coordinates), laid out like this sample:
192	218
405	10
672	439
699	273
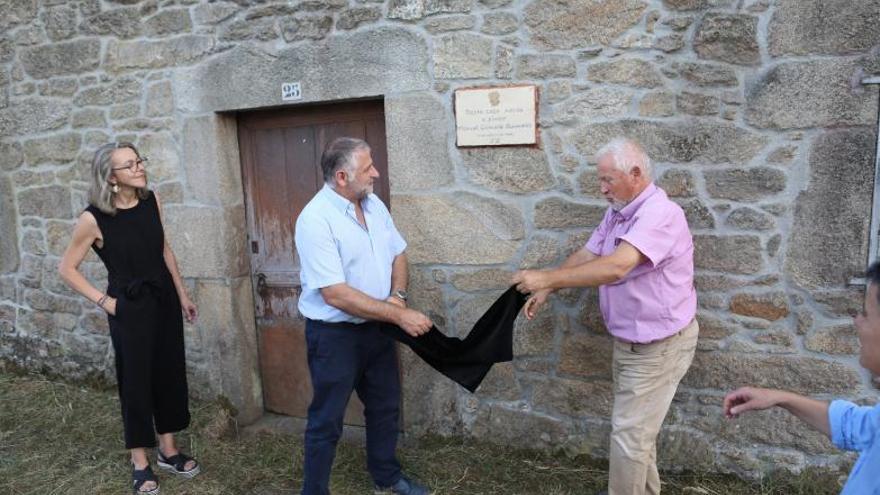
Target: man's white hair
626	154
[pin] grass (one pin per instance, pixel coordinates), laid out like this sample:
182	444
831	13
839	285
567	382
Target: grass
60	438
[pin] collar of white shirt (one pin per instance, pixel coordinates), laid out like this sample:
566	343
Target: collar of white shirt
340	202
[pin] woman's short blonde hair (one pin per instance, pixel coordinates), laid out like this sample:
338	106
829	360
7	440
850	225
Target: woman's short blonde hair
100	190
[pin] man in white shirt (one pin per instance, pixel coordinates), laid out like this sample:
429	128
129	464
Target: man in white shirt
354	275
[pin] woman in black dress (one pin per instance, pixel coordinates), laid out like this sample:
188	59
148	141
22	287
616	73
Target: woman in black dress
144	301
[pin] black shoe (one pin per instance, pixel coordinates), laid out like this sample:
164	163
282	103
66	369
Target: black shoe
404	486
177	464
140	476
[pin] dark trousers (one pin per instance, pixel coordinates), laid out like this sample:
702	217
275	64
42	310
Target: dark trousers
147	336
345	357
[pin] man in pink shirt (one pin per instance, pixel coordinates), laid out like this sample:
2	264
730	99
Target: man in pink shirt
641	258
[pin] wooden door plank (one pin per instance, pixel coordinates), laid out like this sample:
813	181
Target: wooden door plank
274	222
374	133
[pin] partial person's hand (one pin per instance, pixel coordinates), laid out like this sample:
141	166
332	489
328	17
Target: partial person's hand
749	399
396	301
529	281
414	322
190	312
535	303
110	306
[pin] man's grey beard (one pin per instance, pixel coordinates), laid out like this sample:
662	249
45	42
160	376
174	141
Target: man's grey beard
361	193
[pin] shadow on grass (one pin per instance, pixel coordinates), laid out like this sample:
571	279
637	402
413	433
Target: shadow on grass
59	438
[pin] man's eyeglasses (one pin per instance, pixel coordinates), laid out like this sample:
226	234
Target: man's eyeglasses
140	162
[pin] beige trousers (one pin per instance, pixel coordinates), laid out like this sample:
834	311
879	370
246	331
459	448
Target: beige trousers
645	379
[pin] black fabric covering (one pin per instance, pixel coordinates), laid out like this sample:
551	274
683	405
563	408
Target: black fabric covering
467	361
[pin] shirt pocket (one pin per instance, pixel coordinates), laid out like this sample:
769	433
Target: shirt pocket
385	245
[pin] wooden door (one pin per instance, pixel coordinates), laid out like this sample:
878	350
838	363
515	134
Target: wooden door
280	156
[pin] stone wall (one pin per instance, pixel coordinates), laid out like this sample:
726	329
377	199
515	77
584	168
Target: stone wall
751	109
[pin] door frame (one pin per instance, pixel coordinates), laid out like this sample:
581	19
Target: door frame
314	113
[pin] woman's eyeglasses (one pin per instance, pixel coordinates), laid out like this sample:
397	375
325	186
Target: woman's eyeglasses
129	165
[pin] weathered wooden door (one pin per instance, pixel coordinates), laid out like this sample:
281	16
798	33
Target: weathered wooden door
280	156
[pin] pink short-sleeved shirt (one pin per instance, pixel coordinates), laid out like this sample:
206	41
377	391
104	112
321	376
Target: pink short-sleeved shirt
657	298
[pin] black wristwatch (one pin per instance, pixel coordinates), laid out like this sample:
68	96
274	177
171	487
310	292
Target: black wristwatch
400	294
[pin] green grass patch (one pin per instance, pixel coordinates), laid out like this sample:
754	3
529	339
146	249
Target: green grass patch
62	438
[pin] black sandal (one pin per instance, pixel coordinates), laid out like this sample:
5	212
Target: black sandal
177	464
141	476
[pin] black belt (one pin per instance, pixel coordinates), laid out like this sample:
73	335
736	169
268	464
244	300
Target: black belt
135	288
342	324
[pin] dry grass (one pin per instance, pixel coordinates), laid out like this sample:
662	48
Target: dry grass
59	438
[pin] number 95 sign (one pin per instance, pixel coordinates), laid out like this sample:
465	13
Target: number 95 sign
291	91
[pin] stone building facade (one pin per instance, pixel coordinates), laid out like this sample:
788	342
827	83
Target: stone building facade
751	109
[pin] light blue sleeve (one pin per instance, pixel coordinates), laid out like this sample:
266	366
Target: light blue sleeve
398	245
395	241
320	263
853	427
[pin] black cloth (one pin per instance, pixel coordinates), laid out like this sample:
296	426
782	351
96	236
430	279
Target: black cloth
147	330
467	361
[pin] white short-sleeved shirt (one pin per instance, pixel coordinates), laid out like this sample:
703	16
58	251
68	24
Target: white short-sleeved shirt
334	248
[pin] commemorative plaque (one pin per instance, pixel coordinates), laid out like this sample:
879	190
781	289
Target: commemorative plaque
496	116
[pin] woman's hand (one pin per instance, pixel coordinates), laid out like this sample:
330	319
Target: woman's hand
190	312
110	306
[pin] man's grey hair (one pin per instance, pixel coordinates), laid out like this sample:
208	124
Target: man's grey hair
339	155
626	154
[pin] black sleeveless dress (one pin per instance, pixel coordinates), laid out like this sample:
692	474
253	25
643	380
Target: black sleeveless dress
147	330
